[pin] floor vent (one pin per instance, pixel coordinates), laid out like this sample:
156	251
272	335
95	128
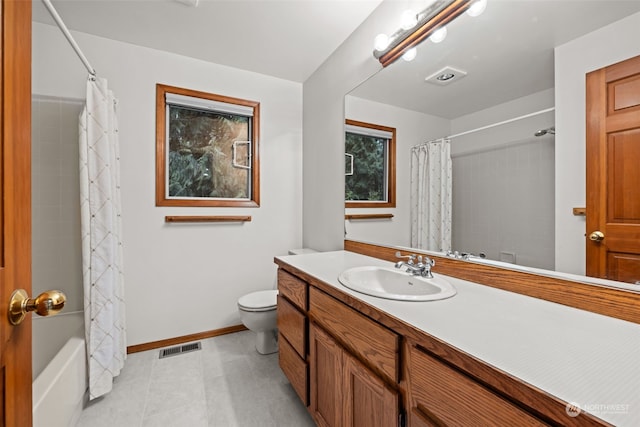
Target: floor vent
180	349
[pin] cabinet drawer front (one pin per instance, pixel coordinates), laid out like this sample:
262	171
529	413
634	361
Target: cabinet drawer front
363	337
295	368
294	289
442	396
293	325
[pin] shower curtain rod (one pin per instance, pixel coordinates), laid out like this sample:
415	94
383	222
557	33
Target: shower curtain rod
504	122
67	34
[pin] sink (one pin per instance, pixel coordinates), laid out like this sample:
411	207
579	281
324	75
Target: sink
396	284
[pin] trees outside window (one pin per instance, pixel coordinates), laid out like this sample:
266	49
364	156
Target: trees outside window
369	165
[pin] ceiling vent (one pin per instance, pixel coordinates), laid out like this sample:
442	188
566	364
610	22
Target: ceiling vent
445	76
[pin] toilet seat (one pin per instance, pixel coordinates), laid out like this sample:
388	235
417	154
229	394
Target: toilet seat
259	301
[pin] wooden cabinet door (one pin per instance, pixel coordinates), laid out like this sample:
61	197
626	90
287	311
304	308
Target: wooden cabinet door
326	360
368	401
15	209
613	175
344	392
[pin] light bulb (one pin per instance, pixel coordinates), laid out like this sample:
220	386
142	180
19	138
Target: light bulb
477	8
438	35
410	55
409	19
381	42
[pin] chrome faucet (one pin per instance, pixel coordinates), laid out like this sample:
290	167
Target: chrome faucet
422	268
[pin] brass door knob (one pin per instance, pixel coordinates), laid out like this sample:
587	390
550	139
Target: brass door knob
596	236
46	304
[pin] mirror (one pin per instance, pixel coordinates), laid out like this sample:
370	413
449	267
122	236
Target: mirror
499	114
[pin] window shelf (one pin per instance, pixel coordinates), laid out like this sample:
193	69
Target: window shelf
182	218
368	216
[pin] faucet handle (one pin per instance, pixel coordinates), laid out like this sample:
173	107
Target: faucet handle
411	257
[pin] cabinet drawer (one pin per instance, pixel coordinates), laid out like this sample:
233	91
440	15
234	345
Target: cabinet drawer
295	368
441	396
294	289
293	325
363	337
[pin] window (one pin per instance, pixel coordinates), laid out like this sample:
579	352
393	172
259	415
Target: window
370	165
206	149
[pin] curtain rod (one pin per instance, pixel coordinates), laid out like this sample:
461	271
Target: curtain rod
67	34
504	122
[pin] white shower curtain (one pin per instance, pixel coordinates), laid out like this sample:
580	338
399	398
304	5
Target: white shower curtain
431	196
101	238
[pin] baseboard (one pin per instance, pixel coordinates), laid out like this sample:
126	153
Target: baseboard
183	339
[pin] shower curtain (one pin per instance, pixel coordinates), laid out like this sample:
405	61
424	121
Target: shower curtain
101	238
431	196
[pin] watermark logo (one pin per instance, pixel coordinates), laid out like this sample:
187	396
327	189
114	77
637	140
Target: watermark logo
573	409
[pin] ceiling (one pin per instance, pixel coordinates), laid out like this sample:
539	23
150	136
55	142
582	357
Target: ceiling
508	52
288	39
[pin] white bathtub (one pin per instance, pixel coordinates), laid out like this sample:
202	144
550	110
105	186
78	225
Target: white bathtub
60	387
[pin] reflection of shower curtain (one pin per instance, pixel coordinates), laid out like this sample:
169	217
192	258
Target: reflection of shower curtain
431	196
101	238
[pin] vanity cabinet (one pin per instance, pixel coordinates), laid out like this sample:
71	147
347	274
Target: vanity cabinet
344	392
441	396
340	362
354	361
293	332
353	365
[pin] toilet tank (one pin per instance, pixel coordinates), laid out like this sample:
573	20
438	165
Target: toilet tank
301	251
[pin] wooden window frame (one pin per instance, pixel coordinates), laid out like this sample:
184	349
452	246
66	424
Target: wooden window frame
391	168
161	151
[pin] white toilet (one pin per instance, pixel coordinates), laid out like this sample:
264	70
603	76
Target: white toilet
258	314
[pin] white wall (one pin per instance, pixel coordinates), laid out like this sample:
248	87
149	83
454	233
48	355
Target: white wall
323	122
184	279
411	128
606	46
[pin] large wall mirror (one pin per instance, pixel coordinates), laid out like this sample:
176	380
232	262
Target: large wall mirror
490	86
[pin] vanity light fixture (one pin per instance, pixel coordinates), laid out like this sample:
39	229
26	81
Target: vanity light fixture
477	8
381	42
436	15
410	54
427	22
409	19
438	35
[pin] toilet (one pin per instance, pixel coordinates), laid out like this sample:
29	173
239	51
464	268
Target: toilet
258	314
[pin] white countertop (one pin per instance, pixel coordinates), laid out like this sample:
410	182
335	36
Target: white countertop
575	355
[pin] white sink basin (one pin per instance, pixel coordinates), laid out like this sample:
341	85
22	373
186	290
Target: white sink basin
396	284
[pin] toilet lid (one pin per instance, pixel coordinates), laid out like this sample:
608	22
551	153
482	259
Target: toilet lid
259	301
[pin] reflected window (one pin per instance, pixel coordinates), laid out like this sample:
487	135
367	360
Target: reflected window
370	167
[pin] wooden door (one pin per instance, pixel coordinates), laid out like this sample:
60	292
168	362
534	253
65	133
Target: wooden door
15	209
326	358
613	172
368	401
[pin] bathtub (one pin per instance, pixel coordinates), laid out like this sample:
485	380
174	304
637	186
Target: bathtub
61	386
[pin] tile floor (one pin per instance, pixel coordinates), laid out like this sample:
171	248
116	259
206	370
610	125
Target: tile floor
226	384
